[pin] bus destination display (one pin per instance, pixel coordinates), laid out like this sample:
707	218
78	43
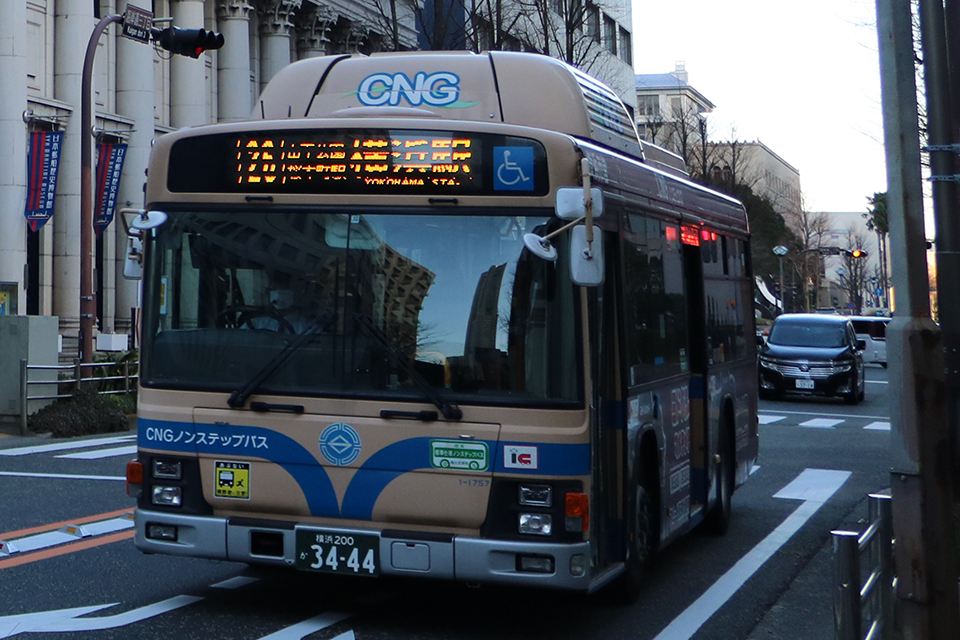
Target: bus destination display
441	161
370	161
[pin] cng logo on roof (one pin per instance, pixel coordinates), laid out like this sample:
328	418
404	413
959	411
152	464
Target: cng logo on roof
340	444
438	89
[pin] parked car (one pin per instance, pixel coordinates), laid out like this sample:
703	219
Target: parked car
813	354
873	331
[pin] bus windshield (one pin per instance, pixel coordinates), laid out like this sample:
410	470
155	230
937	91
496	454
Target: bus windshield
384	297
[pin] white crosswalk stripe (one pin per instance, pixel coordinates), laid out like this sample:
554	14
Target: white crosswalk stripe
852	422
821	423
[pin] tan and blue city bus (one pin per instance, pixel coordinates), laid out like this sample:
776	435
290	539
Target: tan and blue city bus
438	315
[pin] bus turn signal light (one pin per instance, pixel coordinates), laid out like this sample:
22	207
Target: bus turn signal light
577	512
134	478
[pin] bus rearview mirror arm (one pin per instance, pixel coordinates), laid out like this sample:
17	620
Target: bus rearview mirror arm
586	263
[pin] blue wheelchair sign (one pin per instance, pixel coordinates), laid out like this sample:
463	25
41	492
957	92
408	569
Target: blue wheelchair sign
513	168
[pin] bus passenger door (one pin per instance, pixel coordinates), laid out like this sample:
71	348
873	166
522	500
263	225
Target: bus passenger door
609	421
699	412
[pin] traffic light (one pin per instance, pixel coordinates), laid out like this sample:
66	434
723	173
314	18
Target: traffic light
188	42
857	253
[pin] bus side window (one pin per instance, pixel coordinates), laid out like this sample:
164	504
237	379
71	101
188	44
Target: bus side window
654	301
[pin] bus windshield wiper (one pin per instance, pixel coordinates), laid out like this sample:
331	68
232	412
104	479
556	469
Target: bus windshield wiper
320	323
449	411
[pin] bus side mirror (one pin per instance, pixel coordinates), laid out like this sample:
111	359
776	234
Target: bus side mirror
133	261
570	203
586	261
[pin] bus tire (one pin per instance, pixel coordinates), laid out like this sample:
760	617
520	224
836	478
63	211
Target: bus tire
717	521
626	588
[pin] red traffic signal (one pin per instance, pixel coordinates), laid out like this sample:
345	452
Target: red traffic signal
189	42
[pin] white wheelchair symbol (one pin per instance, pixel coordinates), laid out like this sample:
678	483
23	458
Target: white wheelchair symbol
511	168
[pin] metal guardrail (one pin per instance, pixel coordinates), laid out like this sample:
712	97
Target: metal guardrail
865	602
75	381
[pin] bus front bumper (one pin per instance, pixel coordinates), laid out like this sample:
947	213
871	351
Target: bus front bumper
445	557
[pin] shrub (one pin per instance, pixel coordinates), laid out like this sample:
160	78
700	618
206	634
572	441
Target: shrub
84	413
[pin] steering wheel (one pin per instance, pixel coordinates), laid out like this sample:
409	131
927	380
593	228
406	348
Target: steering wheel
242	315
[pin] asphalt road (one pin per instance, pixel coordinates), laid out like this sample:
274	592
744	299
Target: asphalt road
768	577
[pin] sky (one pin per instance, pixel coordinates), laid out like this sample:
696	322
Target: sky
801	77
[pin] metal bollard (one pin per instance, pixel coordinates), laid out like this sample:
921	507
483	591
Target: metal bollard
24	409
846	597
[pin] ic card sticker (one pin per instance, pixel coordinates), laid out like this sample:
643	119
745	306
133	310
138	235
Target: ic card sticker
231	479
520	457
456	454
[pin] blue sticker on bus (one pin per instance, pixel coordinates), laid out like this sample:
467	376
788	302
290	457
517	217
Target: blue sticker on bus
340	444
514	168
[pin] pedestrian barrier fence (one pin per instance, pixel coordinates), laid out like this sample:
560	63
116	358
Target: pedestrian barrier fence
864	579
72	381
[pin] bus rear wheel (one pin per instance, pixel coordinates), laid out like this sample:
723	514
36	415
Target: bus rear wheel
718	519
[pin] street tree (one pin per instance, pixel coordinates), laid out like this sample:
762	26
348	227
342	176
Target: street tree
876	217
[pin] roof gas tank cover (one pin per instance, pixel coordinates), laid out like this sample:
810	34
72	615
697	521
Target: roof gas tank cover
488	87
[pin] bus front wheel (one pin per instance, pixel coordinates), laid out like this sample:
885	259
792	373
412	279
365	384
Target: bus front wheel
626	588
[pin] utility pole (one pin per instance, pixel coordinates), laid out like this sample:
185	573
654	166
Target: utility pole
921	478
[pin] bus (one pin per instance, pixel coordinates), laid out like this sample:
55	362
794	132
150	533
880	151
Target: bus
438	315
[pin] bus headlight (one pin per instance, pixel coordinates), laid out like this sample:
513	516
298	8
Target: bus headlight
167	469
538	524
537	495
166	496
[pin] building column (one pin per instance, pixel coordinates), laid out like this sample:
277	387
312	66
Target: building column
188	84
235	99
313	30
72	30
134	100
276	25
13	160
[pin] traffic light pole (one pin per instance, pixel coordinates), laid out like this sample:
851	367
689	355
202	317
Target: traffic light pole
88	300
921	479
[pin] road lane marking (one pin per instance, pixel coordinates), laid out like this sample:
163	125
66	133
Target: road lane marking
814	487
234	583
769	419
64	446
821	423
878	426
67	620
101	453
19	533
59	476
305	628
89	543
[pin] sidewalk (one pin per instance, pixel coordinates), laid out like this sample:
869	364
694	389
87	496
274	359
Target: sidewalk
805	610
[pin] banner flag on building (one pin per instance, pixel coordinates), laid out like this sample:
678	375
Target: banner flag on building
109	170
43	161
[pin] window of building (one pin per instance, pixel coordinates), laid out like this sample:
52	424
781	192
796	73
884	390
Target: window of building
648	106
626	46
593	22
610	34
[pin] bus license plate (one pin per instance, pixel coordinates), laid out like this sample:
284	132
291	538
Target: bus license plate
340	553
804	384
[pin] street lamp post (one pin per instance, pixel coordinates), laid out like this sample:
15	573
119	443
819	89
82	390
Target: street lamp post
781	251
88	300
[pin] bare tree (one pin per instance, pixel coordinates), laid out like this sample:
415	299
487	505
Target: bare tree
810	230
853	278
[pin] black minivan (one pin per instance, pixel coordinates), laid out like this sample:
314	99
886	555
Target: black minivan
812	354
